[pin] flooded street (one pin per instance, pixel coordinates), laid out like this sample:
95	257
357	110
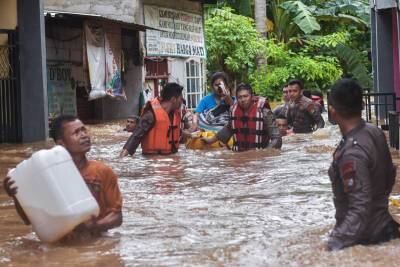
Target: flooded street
203	208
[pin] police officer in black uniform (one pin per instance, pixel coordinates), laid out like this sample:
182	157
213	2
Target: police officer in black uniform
362	174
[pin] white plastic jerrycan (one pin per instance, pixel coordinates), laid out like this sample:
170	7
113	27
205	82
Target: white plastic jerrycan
53	194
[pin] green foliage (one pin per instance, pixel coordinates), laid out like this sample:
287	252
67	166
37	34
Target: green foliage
284	28
354	64
339	45
274	52
245	8
317	41
315	44
350	12
268	81
317	72
232	43
240	7
303	16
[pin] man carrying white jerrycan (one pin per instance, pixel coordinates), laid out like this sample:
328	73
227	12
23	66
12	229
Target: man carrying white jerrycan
69	132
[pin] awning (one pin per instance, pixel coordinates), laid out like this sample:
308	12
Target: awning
68	15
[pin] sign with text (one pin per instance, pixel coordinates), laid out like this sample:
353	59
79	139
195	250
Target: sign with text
178	33
61	93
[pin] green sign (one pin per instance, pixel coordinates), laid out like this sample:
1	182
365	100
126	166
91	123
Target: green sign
61	93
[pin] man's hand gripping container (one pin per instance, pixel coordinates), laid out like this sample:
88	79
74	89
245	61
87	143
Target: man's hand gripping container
53	194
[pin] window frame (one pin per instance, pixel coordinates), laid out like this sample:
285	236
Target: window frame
194	93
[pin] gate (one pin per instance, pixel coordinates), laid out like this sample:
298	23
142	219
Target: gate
10	92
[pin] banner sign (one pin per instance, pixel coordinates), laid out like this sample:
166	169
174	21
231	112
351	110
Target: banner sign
178	33
61	93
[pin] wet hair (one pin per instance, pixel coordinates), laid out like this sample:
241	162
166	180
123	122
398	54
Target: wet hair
244	86
281	116
316	93
56	129
171	90
219	75
134	117
346	97
307	93
296	81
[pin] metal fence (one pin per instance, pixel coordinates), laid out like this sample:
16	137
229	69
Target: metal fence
377	107
10	93
380	109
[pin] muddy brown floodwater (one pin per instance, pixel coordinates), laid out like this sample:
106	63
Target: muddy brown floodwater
203	208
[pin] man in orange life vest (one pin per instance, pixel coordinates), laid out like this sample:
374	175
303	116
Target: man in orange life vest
250	123
160	126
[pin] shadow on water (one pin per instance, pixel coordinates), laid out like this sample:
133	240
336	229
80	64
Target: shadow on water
203	208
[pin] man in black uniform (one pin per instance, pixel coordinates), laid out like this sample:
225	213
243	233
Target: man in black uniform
362	174
303	114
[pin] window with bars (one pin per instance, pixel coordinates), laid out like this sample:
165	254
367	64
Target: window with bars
194	83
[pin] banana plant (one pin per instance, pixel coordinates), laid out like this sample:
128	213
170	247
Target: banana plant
303	16
352	61
339	12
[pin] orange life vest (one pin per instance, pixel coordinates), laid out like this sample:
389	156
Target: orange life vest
248	130
164	137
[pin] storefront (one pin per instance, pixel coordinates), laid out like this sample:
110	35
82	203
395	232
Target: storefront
94	58
176	49
94	66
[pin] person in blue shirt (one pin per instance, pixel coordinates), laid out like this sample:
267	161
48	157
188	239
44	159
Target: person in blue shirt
216	103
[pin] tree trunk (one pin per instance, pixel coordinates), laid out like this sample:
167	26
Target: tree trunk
260	16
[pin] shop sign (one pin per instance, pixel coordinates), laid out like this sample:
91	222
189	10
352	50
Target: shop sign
61	93
178	33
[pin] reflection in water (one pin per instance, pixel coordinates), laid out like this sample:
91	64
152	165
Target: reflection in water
258	208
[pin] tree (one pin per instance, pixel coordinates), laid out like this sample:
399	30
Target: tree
260	13
232	43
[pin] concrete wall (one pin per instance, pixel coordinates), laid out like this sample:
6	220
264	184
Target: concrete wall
8	17
120	10
8	14
185	5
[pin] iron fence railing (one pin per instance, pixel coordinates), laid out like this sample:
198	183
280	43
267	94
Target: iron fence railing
380	109
10	93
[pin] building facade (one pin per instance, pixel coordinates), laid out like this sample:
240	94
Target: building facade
94	59
385	22
175	50
23	97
